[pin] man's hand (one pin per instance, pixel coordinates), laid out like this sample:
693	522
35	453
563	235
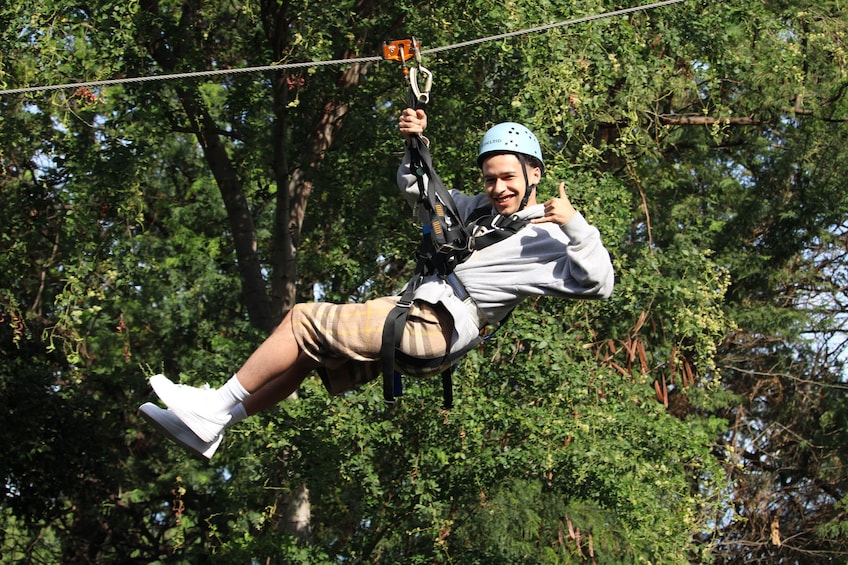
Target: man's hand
412	122
557	210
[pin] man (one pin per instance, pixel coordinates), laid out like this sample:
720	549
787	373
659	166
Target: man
555	252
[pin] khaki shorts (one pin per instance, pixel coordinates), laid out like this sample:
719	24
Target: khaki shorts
346	339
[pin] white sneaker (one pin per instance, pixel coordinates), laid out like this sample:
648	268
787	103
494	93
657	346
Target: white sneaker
192	406
173	428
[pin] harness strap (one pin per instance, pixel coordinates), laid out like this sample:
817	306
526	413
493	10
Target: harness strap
392	334
445	228
493	228
447	388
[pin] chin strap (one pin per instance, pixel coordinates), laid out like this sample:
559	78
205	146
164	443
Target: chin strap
528	188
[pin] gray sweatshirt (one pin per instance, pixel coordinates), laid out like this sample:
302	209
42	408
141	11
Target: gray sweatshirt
541	259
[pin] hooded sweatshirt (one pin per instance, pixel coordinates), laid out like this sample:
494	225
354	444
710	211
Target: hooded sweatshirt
540	259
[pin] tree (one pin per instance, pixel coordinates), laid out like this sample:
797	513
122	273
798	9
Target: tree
156	226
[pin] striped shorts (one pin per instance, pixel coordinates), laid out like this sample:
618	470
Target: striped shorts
345	339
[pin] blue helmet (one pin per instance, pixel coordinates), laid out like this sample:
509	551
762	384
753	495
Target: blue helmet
510	137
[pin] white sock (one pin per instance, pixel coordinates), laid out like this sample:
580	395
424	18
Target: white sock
237	414
232	393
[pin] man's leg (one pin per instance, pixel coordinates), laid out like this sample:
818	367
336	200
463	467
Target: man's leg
272	359
279	388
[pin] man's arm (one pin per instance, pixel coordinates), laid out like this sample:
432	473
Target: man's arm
589	263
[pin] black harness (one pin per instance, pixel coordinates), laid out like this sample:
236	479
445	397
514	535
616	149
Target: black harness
447	241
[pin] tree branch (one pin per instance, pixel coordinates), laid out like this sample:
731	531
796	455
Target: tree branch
702	120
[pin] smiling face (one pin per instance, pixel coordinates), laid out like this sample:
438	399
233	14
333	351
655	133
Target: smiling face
504	182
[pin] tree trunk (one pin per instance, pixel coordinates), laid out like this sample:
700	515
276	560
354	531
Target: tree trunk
240	219
292	202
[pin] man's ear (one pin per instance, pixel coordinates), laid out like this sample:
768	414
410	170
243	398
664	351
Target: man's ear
535	175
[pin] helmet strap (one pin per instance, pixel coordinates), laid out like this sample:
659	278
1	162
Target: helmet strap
528	188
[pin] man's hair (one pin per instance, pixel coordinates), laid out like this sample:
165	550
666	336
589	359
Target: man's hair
533	162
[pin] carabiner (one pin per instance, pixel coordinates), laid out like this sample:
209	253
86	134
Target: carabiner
420	96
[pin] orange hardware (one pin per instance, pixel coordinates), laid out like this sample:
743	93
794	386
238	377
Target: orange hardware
401	50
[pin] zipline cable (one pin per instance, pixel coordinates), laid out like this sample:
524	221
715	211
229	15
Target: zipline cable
353	61
547	27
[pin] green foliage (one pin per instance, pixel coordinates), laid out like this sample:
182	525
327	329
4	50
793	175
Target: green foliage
697	415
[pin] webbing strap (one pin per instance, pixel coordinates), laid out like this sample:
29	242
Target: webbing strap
488	230
392	334
446	229
447	388
393	329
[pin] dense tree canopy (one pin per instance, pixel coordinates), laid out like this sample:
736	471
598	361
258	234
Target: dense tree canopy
699	415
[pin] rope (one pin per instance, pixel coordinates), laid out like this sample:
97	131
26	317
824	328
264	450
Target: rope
353	61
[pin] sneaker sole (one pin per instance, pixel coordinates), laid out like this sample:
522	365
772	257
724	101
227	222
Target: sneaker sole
149	412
